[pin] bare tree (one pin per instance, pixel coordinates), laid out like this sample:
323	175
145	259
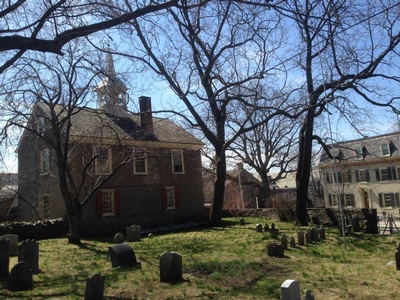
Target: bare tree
214	57
47	27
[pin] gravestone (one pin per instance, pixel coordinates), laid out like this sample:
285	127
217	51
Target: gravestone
290	290
266	227
272	227
355	222
322	234
122	256
150	235
300	237
170	267
29	252
13	238
397	256
259	228
133	233
275	250
119	238
309	296
95	287
292	242
242	222
284	242
308	236
315	234
4	256
20	278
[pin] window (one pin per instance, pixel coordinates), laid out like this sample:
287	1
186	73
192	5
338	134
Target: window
349	200
102	160
139	161
346	176
177	162
389	173
358	153
46	206
107	203
388	199
362	175
330	177
170	197
40	125
333	200
385	149
384	174
44	161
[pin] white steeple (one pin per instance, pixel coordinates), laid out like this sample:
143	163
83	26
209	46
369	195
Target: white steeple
111	91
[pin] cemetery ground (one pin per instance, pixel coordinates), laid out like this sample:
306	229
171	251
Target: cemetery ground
229	262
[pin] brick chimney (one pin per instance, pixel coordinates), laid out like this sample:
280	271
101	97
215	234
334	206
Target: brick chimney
146	117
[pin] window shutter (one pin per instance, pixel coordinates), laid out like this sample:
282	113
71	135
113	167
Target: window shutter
392	199
378	175
117	202
349	175
353	202
327	177
357	173
389	170
330	200
99	204
367	175
397	199
380	200
164	198
393	173
177	197
339	177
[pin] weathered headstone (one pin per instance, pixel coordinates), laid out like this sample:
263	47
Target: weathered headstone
95	287
266	227
272	227
315	234
355	222
13	238
119	238
122	256
242	222
4	256
309	296
150	235
259	228
308	236
292	242
322	234
29	252
170	267
20	278
300	237
284	242
275	250
133	233
397	256
290	290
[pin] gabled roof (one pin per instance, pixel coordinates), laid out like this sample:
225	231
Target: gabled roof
364	149
88	122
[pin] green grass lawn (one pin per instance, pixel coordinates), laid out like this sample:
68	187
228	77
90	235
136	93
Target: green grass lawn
228	262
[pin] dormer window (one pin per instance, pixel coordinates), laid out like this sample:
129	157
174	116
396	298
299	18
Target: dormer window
385	149
359	153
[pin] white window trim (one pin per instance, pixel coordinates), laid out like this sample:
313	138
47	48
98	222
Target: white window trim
145	162
358	152
96	161
182	161
112	195
44	154
387	174
384	201
388	149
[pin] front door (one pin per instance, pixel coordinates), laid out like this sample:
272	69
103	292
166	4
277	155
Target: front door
366	200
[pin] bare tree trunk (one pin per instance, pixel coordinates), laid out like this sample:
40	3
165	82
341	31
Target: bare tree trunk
304	168
219	190
75	222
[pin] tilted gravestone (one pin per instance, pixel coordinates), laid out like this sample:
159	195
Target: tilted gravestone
122	256
290	290
315	234
292	242
322	234
309	296
133	233
284	242
20	278
242	222
170	267
4	256
308	236
300	237
95	287
266	227
119	238
13	238
29	252
259	228
275	250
